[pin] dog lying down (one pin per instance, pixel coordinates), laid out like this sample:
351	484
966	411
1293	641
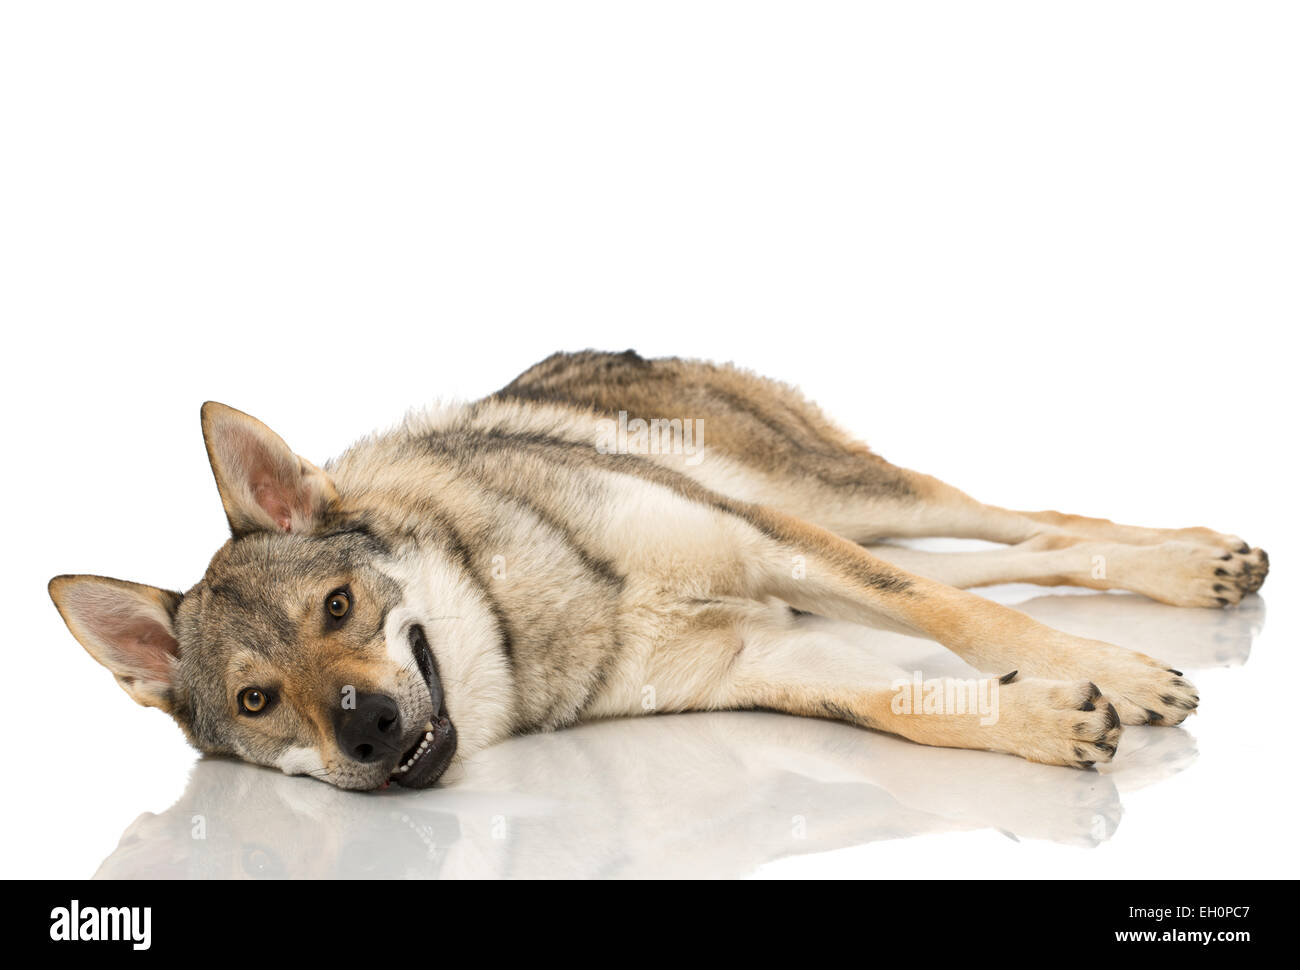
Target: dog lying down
606	536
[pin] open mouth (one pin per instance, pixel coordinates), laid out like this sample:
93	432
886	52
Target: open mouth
431	752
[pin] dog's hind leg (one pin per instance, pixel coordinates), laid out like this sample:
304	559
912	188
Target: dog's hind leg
1180	566
1060	523
1178	573
934	508
919	505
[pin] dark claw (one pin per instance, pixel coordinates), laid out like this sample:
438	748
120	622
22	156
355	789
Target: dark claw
1222	601
1177	672
1088	706
1112	716
1154	717
1096	691
1008	678
1245	548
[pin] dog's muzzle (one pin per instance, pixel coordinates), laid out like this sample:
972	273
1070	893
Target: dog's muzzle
432	749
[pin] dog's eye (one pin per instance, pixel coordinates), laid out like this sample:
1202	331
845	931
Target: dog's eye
337	604
253	700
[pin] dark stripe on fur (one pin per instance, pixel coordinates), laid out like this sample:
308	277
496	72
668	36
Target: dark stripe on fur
574	454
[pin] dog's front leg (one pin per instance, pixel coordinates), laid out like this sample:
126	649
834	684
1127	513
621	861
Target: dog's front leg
790	668
822	573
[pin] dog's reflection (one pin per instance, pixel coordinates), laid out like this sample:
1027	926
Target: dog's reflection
697	794
1188	638
714	794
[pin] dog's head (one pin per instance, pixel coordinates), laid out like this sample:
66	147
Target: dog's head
299	648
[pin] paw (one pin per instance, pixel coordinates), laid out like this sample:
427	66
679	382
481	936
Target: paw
1241	571
1058	722
1143	690
1188	574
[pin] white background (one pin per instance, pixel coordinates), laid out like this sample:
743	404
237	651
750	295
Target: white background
1044	251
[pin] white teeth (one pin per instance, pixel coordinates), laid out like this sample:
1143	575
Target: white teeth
424	746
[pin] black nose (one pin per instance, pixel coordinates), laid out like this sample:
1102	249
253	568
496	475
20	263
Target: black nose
371	730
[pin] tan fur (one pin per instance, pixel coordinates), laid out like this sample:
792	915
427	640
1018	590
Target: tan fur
560	582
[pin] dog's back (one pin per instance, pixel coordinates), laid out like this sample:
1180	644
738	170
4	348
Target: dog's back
766	442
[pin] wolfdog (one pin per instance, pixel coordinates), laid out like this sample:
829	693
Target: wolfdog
610	535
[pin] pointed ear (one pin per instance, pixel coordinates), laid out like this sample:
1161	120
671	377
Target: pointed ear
263	484
126	627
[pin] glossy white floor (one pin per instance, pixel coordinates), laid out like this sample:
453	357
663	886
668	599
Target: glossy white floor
1045	252
740	794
